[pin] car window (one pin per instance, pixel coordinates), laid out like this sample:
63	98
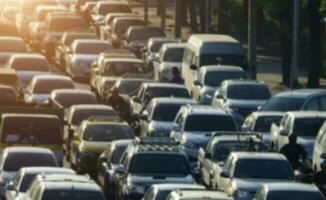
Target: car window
307	127
106	133
313	105
16	161
203	123
322	103
117	153
66	194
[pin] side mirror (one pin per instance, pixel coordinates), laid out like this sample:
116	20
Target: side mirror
284	132
208	155
193	67
176	128
120	170
197	83
225	174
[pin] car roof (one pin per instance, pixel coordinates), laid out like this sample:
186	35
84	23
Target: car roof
88	41
38	170
174	45
301	93
169	100
94	122
267	114
123	59
164	85
228	68
112	2
258	155
52	77
71	91
205	109
37	150
202	38
307	114
11	38
236	138
72	185
291	186
201	194
162	39
173	186
28	55
244	82
32	115
91	106
122	142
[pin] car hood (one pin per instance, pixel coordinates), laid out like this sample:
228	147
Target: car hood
246	104
308	143
161	128
159	178
252	185
94	147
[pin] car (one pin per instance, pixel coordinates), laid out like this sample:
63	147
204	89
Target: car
120	26
148	163
8	29
65	98
104	86
194	124
14	158
210	78
211	49
319	154
91	139
62	187
102	8
81	54
37	130
211	159
9	96
9	77
277	191
197	194
148	91
154	45
161	191
137	37
17	188
65	42
27	66
106	164
157	118
54	27
40	88
304	124
168	57
241	97
294	100
10	46
261	122
105	30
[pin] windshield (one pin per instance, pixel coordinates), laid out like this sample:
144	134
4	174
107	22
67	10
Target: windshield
166	112
263	169
144	34
283	104
12	46
31	130
67	100
63	24
71	194
47	86
159	164
233	60
129	87
263	124
168	92
104	9
223	149
307	127
121	68
297	195
174	55
121	28
30	64
215	78
80	115
91	48
210	123
248	92
107	133
15	161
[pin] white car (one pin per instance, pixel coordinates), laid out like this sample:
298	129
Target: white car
81	54
16	189
169	56
38	91
27	66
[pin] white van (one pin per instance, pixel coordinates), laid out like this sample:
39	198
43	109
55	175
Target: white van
211	49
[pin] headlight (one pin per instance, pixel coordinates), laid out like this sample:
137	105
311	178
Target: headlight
241	194
136	189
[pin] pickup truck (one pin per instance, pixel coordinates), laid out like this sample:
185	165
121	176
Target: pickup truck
304	124
211	159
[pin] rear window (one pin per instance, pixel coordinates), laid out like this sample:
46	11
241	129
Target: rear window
283	104
30	64
166	112
91	48
145	34
307	127
63	24
248	92
69	39
12	46
210	123
174	55
107	133
81	115
31	130
111	8
168	92
122	68
67	100
69	194
297	195
15	161
47	86
215	78
159	163
263	124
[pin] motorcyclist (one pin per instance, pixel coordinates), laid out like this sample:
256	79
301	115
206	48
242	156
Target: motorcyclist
176	76
115	100
294	152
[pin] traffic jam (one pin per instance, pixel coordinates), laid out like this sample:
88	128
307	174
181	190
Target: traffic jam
97	104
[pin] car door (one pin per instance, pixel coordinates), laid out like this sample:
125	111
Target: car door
284	139
225	183
102	166
144	123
